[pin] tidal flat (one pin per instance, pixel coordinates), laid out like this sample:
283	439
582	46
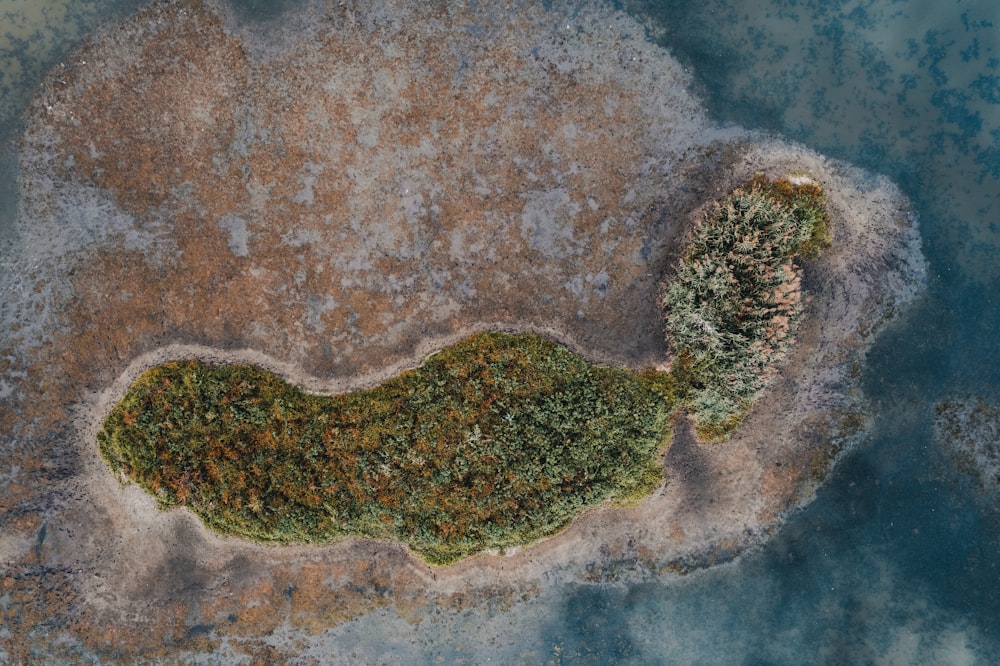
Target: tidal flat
335	196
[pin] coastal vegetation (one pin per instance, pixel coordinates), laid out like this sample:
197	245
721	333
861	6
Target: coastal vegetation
494	442
734	304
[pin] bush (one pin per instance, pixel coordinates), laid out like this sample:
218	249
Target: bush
732	309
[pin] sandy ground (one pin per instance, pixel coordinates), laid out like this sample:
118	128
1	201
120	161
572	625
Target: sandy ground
334	198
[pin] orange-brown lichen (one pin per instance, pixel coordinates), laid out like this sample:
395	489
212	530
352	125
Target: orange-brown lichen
169	143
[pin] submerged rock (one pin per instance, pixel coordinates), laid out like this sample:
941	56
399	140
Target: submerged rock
970	429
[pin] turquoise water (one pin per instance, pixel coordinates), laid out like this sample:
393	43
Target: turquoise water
898	559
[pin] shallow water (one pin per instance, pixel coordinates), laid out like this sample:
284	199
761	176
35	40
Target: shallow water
897	560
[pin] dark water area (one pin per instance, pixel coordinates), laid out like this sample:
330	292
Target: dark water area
35	37
891	564
908	89
897	561
262	11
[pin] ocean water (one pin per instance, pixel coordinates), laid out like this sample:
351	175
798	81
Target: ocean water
898	559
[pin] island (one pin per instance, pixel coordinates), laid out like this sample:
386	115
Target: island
409	306
494	442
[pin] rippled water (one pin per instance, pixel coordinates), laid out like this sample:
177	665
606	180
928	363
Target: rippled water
898	559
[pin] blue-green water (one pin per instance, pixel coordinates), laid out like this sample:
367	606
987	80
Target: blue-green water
898	559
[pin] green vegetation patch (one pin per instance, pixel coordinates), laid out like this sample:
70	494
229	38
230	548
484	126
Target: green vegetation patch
733	307
494	442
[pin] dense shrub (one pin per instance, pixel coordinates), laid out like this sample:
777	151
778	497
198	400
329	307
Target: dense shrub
732	308
495	442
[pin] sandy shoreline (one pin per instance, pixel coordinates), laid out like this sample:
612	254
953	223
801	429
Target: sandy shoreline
272	206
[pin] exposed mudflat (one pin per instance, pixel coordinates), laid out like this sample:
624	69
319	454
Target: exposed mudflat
333	198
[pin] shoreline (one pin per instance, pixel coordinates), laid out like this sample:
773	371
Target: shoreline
558	557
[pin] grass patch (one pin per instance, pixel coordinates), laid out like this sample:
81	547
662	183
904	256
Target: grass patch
492	443
734	305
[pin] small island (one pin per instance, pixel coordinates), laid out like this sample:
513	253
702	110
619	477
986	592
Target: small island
494	442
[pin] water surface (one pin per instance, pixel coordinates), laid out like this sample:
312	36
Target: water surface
897	560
